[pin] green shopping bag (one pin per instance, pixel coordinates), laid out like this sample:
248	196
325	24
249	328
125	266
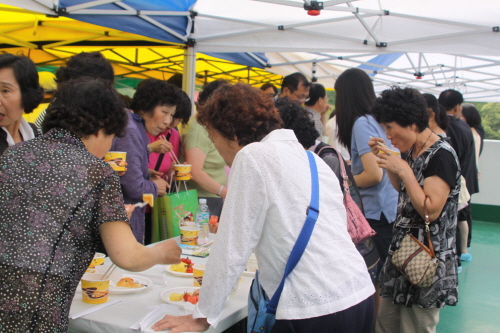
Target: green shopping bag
169	211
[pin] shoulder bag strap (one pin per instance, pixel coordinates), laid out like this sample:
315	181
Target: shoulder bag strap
304	236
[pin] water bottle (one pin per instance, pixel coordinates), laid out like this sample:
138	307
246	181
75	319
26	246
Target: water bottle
202	218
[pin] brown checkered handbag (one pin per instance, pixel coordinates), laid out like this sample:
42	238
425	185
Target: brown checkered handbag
415	260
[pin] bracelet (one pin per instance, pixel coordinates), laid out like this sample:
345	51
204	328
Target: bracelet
220	190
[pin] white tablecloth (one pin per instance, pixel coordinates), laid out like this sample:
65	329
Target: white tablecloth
119	317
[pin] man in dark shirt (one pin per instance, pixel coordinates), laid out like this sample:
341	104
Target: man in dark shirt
462	141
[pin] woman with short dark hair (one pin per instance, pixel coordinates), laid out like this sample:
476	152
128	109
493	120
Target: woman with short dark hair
153	107
329	290
50	226
428	181
19	93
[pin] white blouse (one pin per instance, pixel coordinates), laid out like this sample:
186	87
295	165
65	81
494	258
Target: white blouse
265	208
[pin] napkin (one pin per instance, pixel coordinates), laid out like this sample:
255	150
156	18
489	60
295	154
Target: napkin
154	315
93	309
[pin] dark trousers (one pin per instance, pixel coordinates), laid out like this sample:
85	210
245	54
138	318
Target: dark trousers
382	239
356	319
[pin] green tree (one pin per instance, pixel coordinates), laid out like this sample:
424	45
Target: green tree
490	117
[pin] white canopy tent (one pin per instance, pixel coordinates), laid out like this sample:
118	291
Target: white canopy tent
447	43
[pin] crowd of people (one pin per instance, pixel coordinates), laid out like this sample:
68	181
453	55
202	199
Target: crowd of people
407	155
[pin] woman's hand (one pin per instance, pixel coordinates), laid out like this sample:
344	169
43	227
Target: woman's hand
123	164
390	161
160	146
161	184
374	145
181	324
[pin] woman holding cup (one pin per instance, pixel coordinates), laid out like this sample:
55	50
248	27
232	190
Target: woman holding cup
153	107
51	225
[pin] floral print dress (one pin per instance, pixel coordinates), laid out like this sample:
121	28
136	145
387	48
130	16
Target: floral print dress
444	288
54	194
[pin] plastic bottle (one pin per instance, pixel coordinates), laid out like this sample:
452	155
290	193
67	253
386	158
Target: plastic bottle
202	218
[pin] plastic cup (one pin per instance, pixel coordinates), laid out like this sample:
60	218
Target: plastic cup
198	272
96	261
94	288
116	159
182	171
189	235
391	151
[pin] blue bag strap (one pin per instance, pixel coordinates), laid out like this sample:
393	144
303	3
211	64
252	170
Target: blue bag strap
304	236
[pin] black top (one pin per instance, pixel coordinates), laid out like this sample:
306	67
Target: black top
462	142
442	165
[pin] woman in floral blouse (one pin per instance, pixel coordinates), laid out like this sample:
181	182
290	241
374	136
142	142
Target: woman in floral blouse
57	197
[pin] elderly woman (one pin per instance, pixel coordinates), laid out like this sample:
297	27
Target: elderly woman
265	208
153	106
19	92
50	226
428	181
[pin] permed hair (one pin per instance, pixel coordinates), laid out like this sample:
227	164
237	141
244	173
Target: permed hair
89	64
84	106
296	118
268	85
405	106
316	91
151	93
239	111
27	78
450	98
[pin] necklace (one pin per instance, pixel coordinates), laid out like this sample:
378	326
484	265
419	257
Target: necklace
423	145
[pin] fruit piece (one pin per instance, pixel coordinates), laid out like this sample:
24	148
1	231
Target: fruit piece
149	198
175	297
128	283
192	299
189	269
185	297
196	292
188	261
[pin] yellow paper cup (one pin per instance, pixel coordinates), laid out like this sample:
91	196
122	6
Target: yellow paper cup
198	272
391	151
182	171
94	289
116	159
189	235
98	260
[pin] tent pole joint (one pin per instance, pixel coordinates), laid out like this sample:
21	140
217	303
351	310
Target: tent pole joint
386	13
382	44
193	14
496	29
62	11
281	27
191	42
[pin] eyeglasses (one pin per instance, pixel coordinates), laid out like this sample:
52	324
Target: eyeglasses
302	97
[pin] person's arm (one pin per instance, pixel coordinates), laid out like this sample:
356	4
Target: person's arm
127	253
134	185
435	189
372	174
196	157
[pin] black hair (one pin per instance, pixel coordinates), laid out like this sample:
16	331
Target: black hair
176	80
268	85
126	100
208	89
27	78
151	93
292	81
84	106
296	118
405	106
439	114
450	98
471	115
355	96
184	108
89	64
316	91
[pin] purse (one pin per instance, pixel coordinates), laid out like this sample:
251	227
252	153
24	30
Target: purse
417	262
261	310
358	227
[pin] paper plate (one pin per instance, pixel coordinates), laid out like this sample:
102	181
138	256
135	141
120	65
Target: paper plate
165	294
167	268
114	290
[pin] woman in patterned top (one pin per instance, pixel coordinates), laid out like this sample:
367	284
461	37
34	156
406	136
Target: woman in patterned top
427	178
57	197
